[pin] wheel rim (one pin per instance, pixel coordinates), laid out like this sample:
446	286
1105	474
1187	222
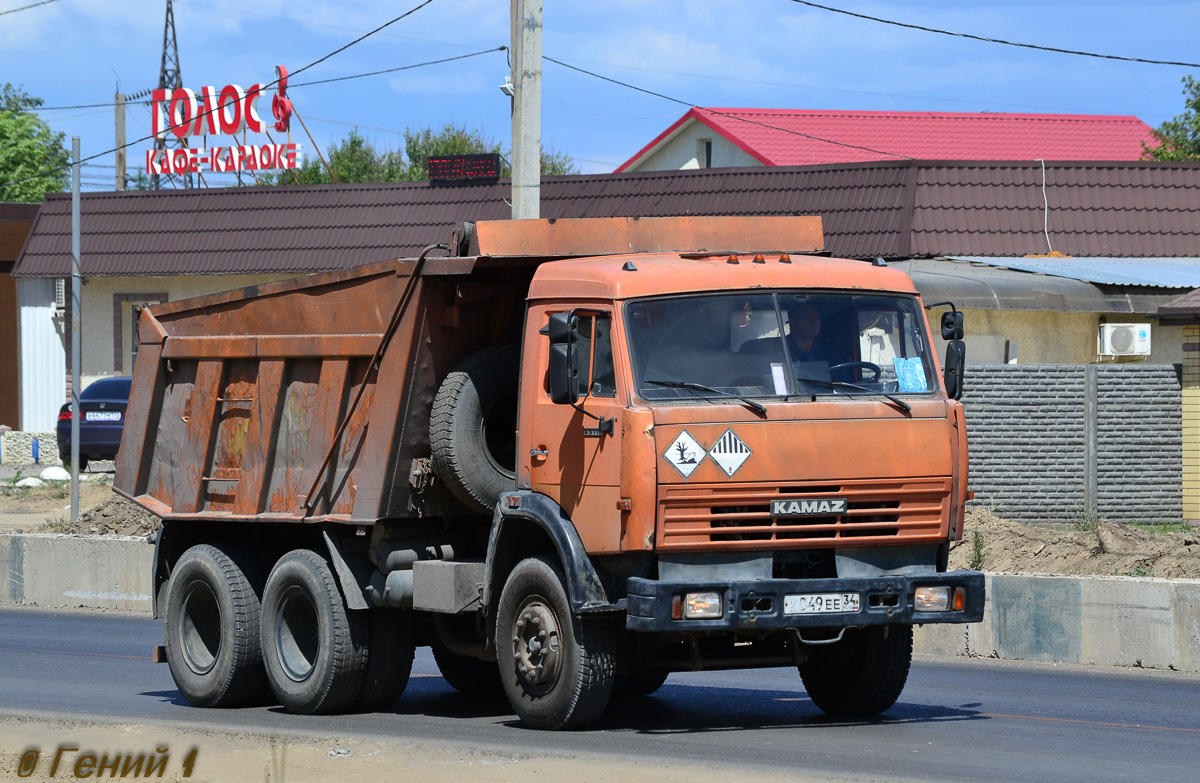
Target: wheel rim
296	634
537	646
200	628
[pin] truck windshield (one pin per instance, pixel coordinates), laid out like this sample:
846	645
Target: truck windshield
779	345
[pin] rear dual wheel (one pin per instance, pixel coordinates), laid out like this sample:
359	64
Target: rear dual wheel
314	648
211	626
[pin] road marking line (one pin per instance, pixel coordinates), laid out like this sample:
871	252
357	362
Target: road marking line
1090	722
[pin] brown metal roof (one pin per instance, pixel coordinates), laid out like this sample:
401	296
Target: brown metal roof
1185	309
890	209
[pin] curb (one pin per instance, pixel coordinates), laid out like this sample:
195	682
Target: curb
1101	620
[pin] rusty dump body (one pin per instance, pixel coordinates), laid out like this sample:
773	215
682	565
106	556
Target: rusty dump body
302	400
624	446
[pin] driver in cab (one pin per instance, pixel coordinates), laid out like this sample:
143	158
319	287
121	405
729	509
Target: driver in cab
804	320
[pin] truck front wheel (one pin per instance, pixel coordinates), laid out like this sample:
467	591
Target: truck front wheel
861	675
211	626
315	650
557	670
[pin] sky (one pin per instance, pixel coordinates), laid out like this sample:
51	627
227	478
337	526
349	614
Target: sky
736	53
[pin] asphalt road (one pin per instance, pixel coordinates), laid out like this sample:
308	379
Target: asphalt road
958	719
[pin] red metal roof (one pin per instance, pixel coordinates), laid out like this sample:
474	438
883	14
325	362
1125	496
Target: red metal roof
792	137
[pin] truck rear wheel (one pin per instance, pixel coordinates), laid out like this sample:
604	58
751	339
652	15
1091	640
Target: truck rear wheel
315	650
389	661
861	675
473	427
557	670
211	626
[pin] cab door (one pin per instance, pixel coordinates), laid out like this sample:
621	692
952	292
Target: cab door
575	451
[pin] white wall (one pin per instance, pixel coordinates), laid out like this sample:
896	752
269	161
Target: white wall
680	152
42	356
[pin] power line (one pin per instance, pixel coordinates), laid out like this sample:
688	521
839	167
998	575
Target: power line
27	7
266	87
110	104
401	68
993	40
725	115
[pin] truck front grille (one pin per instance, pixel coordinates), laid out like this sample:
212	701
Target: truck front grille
739	517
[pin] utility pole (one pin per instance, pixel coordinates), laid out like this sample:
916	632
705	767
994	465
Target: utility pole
527	108
120	145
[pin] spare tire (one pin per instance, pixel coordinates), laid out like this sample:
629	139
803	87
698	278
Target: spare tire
473	427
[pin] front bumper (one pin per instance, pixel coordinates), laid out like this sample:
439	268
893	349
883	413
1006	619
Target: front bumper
753	605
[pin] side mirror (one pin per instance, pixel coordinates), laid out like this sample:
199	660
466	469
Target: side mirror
563	331
952	325
956	359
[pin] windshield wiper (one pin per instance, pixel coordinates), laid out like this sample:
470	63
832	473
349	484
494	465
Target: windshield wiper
901	404
751	404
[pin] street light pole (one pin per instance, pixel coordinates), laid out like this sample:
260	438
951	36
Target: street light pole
76	289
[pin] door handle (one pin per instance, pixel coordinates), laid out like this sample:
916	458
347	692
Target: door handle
539	453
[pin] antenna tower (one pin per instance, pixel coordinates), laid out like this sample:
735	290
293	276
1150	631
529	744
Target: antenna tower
169	79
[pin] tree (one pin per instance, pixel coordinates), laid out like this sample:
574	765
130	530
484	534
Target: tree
1179	138
355	159
421	145
28	147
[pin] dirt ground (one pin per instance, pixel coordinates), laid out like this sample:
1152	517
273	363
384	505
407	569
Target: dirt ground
989	542
295	758
48	510
1097	548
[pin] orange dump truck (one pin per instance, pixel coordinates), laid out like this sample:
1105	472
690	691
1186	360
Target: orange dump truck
571	456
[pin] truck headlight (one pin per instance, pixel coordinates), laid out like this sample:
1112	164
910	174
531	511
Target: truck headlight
939	599
702	606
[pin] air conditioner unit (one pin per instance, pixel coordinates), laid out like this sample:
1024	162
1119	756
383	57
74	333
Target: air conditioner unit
1124	340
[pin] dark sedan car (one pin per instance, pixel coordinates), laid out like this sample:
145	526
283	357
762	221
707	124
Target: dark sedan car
103	404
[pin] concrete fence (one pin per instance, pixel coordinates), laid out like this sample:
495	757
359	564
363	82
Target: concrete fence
1049	441
1114	621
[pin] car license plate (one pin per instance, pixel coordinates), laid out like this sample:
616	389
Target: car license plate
821	603
102	416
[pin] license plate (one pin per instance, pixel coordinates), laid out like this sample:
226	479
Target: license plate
101	415
821	603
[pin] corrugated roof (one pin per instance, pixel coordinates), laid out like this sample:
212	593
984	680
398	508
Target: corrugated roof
1153	272
991	288
889	209
794	137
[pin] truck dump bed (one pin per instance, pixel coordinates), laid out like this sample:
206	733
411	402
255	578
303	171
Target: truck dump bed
304	399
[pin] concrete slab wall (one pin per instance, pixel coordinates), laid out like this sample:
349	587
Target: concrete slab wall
1109	621
103	572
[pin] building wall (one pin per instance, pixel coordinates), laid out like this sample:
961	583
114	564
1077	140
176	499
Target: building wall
42	355
681	152
1053	337
107	313
9	386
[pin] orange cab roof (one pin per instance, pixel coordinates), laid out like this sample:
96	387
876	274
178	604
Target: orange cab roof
605	277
